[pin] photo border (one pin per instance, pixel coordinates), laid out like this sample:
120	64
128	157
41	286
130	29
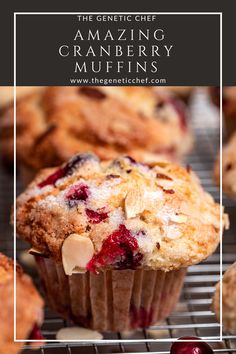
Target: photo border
110	341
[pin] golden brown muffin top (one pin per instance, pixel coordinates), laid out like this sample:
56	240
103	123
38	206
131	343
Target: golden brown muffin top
126	214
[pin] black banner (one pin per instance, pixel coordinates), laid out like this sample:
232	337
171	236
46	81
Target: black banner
118	49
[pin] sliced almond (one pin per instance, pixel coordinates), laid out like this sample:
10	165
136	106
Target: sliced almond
27	259
35	252
77	333
77	251
180	218
134	203
157	333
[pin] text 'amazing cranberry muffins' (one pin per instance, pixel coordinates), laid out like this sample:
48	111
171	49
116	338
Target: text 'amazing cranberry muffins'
120	234
61	121
29	308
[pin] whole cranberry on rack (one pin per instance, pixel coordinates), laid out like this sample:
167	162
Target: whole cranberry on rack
190	347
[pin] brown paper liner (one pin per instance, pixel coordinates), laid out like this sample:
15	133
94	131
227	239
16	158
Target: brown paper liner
113	300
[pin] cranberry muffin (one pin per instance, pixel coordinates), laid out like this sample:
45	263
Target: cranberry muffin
118	233
29	309
6	119
228	300
228	167
7	94
61	121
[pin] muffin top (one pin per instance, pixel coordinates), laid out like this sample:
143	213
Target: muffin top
29	313
228	298
228	167
7	94
119	214
56	123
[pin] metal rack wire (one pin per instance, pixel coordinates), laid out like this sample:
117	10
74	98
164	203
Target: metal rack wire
193	315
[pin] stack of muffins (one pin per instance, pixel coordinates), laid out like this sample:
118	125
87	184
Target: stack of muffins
116	225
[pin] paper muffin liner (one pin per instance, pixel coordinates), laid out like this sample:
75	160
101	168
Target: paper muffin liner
113	300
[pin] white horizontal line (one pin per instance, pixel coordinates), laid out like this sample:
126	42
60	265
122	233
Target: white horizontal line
116	13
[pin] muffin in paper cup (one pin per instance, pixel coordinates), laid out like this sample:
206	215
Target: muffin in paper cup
115	300
113	239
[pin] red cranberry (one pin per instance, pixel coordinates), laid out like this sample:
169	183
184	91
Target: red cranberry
192	347
52	178
77	193
179	107
36	333
68	169
92	92
118	250
96	217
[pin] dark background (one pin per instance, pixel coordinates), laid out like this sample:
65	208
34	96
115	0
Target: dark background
229	53
194	58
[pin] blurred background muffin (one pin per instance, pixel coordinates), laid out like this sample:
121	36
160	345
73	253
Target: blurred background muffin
228	167
54	124
6	117
228	106
29	308
7	94
228	300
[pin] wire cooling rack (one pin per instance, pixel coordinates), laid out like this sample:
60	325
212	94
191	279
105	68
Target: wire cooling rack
193	315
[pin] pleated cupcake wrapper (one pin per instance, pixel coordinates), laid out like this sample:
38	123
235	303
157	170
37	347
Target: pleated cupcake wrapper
115	300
